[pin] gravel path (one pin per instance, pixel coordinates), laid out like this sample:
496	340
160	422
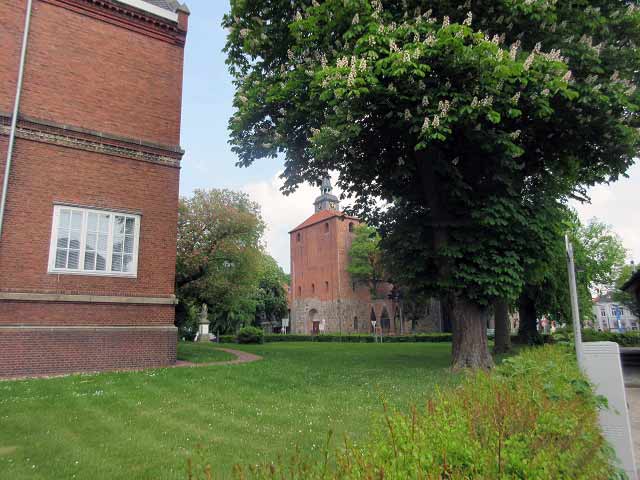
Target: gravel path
241	357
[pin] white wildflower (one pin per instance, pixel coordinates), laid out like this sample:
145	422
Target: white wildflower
425	125
298	15
445	22
407	115
356	19
425	101
515	135
436	121
529	61
467	21
567	76
516	98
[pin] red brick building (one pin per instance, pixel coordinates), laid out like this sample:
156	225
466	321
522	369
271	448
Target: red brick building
323	297
88	229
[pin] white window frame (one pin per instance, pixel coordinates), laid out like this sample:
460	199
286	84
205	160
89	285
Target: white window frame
83	239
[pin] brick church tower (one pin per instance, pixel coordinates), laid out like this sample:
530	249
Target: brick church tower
323	296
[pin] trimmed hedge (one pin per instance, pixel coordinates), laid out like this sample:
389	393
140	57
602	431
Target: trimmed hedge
250	335
535	416
350	338
631	339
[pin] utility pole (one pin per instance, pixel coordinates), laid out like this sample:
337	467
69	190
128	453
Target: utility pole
575	309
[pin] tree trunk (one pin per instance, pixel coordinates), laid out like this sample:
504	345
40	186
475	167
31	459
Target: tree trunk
503	327
470	347
468	321
528	329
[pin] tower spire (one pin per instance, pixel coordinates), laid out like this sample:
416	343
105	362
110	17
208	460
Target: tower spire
327	200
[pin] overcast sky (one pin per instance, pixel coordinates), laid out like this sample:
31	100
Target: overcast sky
209	162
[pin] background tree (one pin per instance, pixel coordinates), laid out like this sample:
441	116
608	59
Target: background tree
365	259
626	299
219	259
458	115
599	256
271	296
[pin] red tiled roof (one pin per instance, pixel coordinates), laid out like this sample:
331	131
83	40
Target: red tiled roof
321	216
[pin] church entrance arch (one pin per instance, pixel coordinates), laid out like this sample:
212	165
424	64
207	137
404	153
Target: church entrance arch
314	323
385	320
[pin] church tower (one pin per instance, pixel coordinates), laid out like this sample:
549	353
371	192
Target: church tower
327	200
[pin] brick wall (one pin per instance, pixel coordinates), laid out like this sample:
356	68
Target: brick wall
42	174
105	71
25	352
88	314
86	72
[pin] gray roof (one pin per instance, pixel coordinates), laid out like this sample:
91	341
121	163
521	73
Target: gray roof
171	5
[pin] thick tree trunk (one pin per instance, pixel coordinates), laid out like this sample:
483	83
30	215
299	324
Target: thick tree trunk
470	347
503	327
528	329
468	321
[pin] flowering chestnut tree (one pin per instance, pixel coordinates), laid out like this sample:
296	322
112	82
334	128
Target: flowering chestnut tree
461	116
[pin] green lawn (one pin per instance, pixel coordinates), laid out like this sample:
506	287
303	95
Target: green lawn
145	425
202	353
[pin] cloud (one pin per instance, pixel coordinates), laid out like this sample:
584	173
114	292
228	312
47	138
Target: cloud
282	213
618	205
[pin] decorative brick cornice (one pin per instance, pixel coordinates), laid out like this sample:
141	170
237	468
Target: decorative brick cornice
127	17
90	141
57	297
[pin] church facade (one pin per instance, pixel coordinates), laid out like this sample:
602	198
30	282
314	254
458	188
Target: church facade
324	298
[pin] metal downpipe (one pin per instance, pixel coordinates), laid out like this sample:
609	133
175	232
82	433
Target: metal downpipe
14	118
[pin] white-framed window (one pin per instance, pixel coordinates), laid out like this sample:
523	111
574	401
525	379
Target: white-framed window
94	242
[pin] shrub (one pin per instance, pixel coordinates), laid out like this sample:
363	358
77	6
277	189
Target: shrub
535	416
250	335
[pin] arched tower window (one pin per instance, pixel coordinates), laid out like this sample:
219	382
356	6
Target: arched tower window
313	288
299	291
355	324
350	227
326	227
299	236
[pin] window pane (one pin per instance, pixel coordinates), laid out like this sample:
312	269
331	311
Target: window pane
128	263
101	263
118	227
89	261
75	239
61	258
76	220
92	222
92	241
116	263
103	241
130	226
64	219
117	245
63	239
104	223
74	259
128	244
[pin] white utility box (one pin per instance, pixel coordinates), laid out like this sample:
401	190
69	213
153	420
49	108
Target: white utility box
601	363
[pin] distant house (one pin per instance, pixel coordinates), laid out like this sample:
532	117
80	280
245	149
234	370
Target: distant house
88	230
611	316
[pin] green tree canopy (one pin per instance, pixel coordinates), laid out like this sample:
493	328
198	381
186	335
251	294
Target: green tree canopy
463	114
365	258
219	258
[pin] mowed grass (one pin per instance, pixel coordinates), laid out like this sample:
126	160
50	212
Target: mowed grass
146	425
202	353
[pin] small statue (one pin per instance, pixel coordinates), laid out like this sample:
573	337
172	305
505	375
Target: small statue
204	314
203	325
